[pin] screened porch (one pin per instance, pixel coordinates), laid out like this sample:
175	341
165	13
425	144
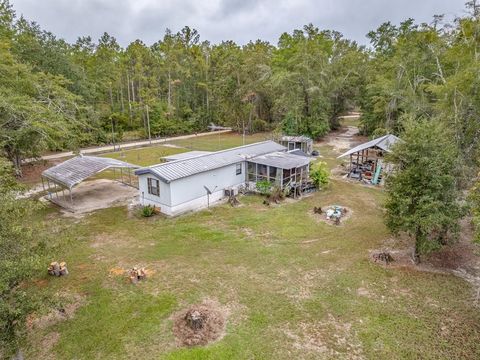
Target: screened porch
281	169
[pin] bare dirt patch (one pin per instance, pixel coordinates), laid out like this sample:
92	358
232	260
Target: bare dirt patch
65	310
49	341
208	324
31	172
331	338
461	258
94	195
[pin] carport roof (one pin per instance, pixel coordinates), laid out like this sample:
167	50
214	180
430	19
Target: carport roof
75	170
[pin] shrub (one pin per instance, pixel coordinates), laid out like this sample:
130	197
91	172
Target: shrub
277	194
264	187
319	174
148	211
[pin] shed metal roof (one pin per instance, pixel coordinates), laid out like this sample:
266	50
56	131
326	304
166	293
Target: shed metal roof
178	169
75	170
299	138
383	143
282	160
185	155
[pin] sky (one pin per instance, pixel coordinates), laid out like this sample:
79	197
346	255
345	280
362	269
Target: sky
217	20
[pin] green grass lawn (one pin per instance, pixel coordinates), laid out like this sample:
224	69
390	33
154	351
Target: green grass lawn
295	287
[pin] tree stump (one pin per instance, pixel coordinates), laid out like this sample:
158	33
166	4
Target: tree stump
195	320
317	210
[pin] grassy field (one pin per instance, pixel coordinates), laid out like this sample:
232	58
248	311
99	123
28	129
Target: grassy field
294	287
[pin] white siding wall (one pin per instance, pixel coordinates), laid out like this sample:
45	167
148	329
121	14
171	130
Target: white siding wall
187	194
148	199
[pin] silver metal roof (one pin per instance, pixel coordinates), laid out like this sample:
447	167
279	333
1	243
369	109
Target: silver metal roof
75	170
299	138
282	160
185	155
178	169
383	143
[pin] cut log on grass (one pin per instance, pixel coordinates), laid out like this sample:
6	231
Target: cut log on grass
56	269
63	268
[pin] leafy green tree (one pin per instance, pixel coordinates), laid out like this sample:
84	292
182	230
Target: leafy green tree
20	259
422	197
320	174
474	204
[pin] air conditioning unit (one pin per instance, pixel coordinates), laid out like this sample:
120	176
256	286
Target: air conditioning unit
231	192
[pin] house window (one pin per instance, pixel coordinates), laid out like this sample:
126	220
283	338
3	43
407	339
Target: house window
153	186
238	170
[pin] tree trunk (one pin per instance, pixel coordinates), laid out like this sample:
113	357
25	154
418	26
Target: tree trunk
416	251
129	99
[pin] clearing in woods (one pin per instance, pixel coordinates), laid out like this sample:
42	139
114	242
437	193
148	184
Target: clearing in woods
288	286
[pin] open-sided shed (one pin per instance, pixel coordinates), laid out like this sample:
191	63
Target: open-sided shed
70	173
366	160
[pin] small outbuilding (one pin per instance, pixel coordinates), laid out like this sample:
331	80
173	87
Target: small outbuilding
367	160
300	142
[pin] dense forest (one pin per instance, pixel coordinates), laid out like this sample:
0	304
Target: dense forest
56	95
418	81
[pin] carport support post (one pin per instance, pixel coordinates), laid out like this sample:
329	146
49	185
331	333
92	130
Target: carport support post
49	192
71	197
130	176
43	184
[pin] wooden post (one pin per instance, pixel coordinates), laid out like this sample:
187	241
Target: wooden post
71	197
148	126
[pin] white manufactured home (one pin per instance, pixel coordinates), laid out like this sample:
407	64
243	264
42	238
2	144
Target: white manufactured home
192	183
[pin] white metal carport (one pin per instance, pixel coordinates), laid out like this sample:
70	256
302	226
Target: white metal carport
72	172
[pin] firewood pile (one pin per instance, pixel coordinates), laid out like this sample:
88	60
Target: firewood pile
57	269
136	275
